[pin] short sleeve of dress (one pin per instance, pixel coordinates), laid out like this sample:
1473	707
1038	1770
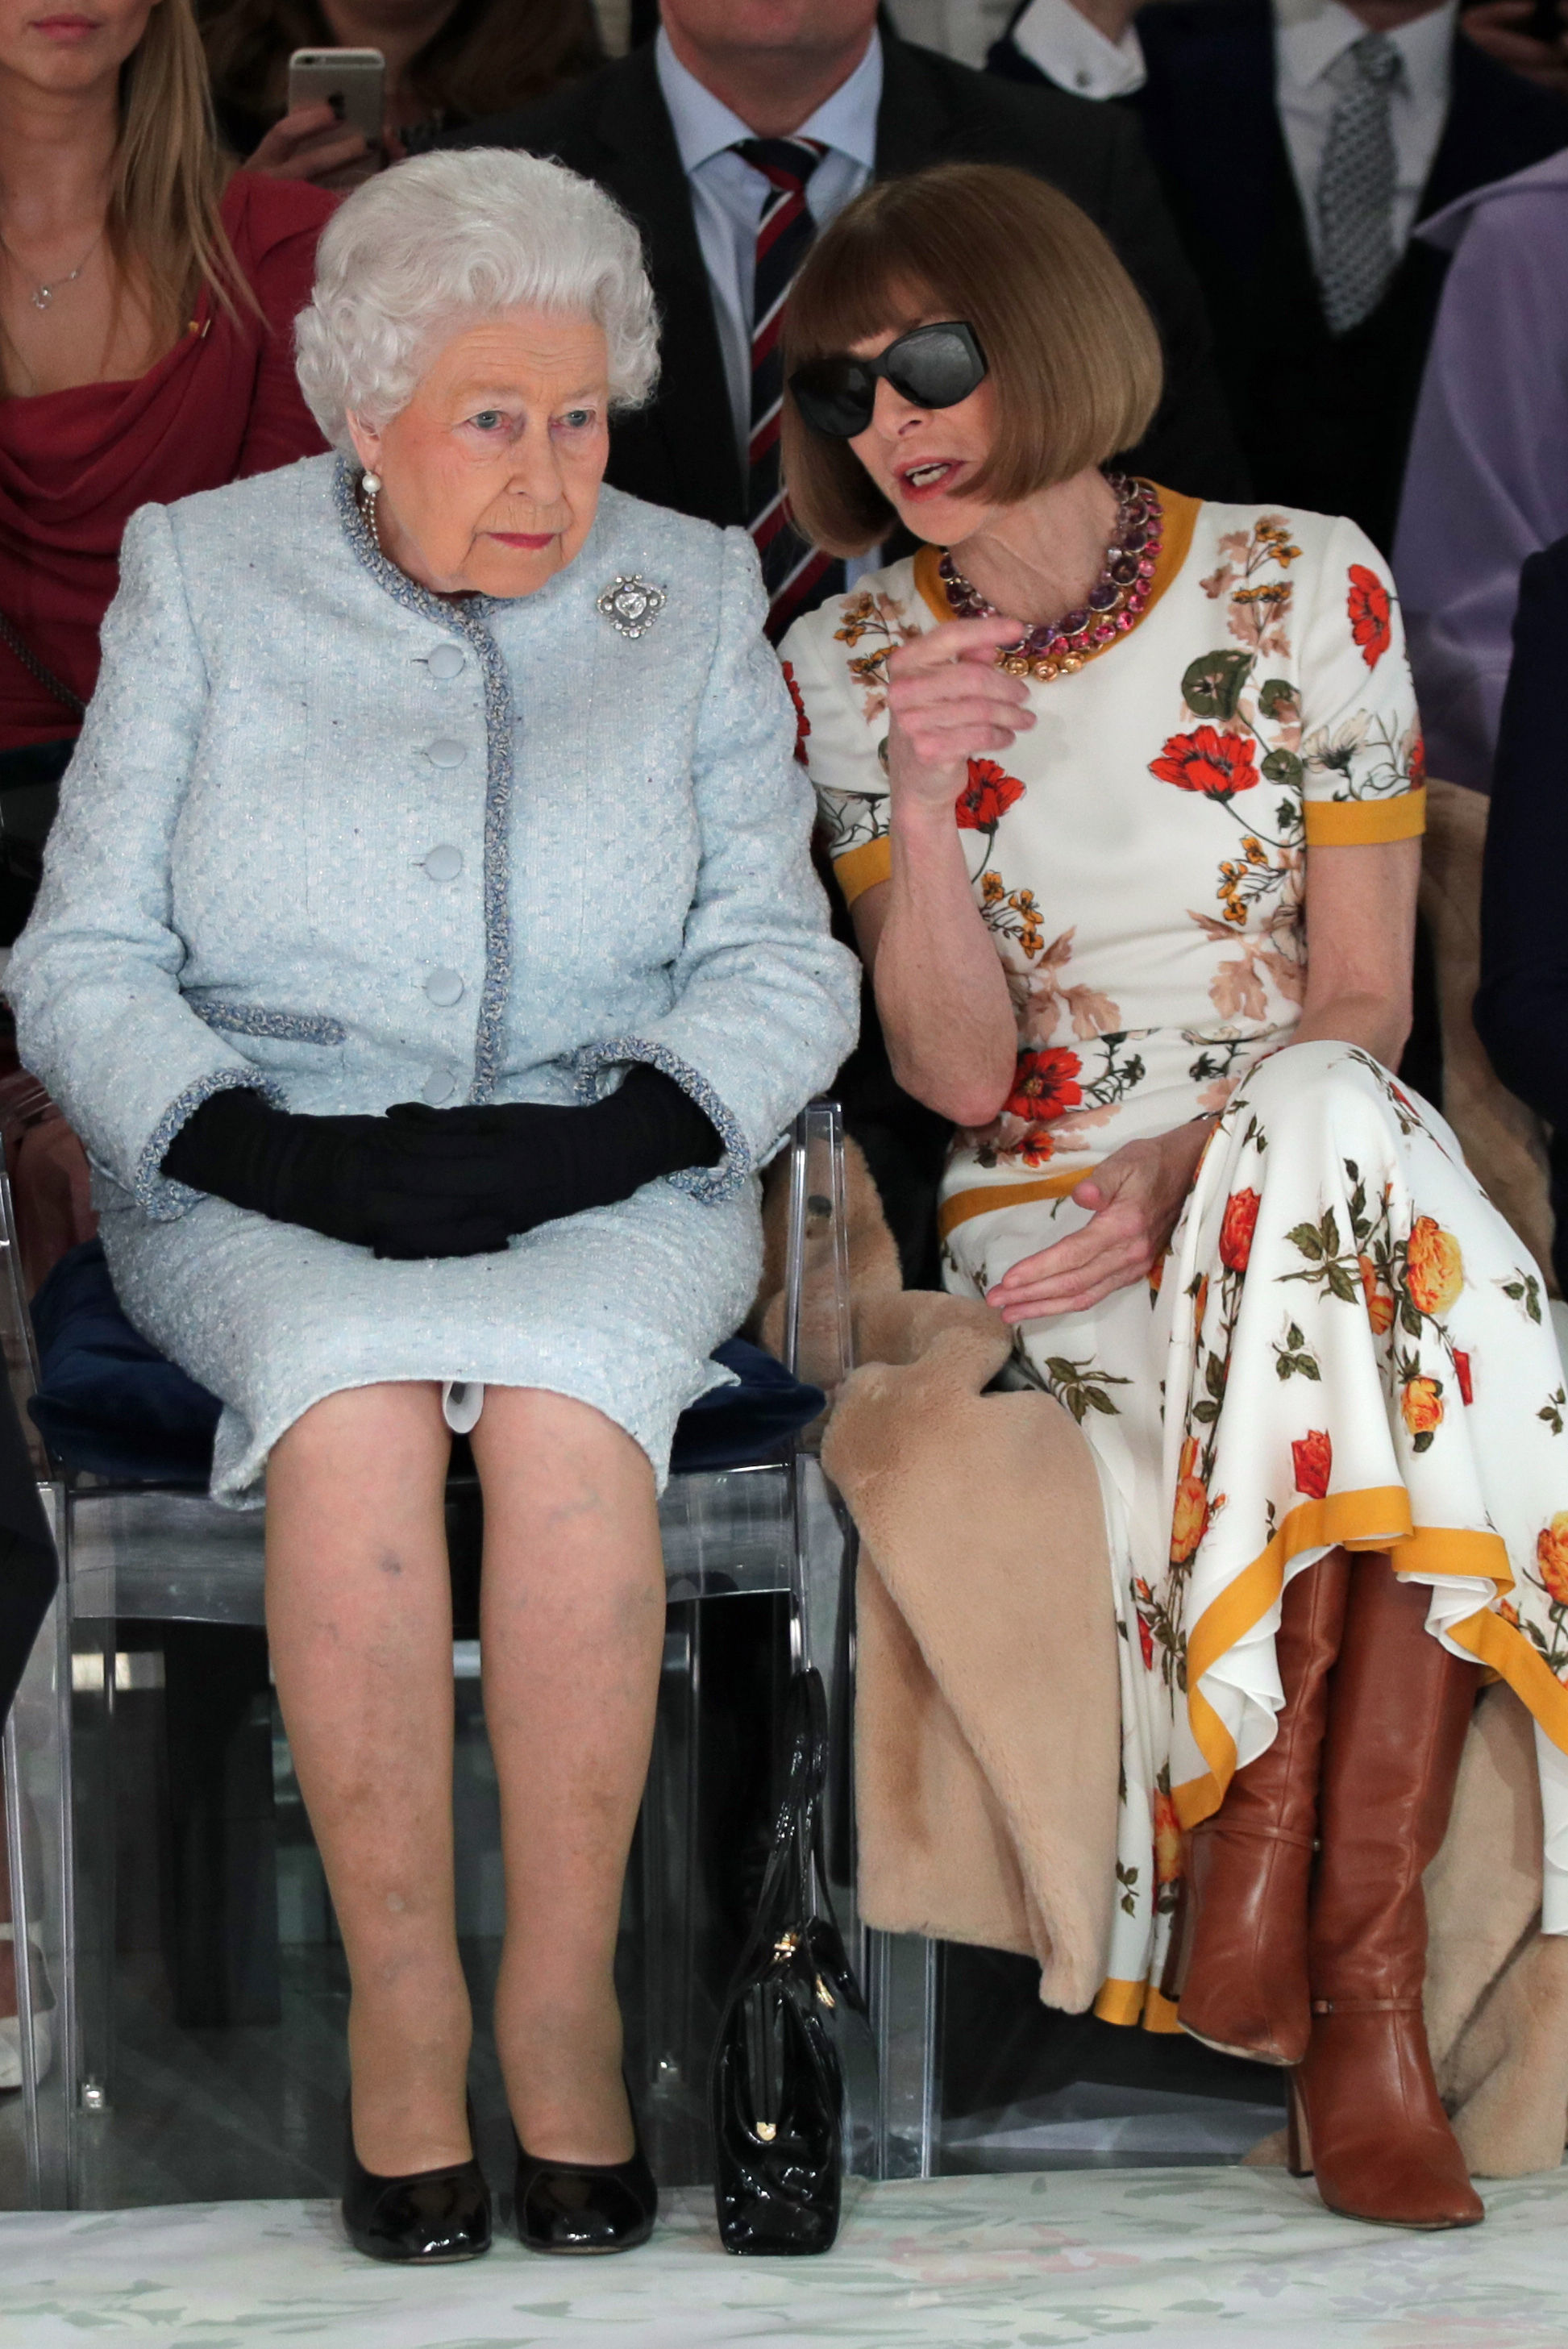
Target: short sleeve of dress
1363	768
842	743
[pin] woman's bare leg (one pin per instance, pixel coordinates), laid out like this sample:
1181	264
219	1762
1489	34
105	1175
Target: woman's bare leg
359	1606
573	1631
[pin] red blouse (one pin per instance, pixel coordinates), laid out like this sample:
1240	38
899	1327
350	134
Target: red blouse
75	465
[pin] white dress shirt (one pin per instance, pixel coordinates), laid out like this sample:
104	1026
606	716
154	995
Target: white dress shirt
1310	36
1076	54
728	195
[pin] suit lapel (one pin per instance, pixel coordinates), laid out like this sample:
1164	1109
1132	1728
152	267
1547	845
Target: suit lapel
693	410
914	118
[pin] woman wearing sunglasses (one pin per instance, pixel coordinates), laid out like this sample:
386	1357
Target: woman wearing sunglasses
1125	792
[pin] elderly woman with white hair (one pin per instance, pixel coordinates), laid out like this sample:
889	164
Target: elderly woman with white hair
436	770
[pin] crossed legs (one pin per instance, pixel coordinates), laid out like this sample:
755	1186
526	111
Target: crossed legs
358	1612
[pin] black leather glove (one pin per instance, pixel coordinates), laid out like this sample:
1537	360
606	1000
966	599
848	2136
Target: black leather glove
352	1178
544	1162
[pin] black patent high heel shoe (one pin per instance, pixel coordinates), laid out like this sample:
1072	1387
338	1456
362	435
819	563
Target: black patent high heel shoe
429	2216
585	2207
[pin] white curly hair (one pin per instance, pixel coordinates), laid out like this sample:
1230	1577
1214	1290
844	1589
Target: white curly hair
421	252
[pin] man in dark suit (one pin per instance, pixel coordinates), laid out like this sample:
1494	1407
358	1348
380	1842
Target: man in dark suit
1300	231
772	63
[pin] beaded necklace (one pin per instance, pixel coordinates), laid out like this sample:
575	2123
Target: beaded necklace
1113	605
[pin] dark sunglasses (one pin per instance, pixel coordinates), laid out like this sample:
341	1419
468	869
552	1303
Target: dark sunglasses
931	367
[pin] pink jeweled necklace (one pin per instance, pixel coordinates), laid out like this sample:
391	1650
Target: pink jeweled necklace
1113	605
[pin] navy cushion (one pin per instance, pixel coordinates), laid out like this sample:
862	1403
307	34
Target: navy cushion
109	1403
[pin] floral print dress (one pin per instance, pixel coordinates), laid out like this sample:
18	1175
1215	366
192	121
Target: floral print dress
1345	1342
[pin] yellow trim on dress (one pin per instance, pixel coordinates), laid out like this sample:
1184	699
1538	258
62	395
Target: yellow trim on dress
1377	1519
1132	2003
1360	824
859	869
964	1206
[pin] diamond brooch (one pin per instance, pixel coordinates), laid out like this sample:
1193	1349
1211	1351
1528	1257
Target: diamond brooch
632	604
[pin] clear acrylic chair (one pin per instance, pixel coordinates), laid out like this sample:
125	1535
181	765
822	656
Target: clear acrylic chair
144	1568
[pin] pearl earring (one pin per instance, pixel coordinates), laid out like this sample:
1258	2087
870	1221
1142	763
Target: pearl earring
370	484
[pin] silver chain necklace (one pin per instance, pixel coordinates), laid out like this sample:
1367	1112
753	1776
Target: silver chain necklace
41	296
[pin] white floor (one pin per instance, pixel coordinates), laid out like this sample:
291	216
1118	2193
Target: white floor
1245	2258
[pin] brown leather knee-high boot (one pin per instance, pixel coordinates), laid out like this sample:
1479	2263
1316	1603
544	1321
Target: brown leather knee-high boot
1239	1961
1364	2112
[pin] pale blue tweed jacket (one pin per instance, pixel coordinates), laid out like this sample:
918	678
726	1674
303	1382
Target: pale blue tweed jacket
328	834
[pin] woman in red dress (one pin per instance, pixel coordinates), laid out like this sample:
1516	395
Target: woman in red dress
146	351
145	325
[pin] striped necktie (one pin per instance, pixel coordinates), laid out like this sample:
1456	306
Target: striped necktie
796	575
1356	186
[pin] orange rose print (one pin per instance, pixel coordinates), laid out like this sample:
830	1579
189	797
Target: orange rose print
1421	1408
1367	604
1379	1300
1462	1372
1167	1839
1189	1518
1312	1459
1551	1556
1236	1231
1217	765
1434	1268
986	796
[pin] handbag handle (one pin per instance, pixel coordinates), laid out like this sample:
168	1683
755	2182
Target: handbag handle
52	685
797	1848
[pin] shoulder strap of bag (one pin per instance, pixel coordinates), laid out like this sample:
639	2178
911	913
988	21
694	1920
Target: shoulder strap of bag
45	677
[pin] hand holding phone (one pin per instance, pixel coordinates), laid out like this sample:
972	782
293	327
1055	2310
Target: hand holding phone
352	82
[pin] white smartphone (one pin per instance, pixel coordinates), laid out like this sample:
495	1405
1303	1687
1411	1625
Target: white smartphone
351	81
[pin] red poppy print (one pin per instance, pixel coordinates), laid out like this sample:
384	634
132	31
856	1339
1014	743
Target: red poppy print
1241	1221
1312	1459
1367	604
1044	1084
986	796
802	722
1217	765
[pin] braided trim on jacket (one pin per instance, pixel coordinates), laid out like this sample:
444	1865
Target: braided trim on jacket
159	1194
286	1027
708	1184
467	620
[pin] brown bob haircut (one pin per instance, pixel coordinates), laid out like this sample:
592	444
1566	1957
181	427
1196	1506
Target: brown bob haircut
1074	357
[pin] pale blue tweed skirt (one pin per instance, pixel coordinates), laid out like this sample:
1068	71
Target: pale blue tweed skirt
620	1308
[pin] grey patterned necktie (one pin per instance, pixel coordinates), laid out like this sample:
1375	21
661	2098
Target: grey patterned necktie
1356	256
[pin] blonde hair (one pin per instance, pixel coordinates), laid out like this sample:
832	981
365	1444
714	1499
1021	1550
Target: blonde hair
1074	357
169	174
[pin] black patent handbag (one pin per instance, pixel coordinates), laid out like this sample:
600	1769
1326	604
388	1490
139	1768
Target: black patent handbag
777	2084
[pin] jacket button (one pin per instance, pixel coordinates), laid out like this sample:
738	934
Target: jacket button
443	987
438	1088
446	754
447	660
445	863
